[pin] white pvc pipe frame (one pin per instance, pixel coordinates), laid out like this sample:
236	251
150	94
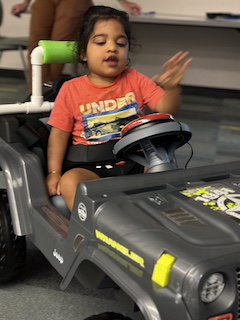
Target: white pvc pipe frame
36	103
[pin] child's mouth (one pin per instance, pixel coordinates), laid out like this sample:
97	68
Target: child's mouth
111	61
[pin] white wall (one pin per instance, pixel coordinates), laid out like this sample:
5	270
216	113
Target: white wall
215	51
184	7
13	26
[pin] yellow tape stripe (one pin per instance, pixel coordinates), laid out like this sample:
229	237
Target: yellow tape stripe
233	128
8	90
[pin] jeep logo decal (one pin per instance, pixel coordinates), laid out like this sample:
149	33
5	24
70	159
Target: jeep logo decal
82	211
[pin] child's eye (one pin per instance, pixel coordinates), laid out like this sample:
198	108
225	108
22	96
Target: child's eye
121	44
101	43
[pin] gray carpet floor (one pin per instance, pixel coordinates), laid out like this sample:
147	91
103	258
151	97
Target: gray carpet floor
35	295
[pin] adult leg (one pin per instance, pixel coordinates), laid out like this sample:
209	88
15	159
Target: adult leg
68	19
41	24
70	180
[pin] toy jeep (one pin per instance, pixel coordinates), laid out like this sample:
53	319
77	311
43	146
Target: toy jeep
169	239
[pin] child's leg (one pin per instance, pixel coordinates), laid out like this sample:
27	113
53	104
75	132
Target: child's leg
70	180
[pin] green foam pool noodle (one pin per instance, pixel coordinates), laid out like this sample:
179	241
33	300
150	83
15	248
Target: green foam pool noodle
58	51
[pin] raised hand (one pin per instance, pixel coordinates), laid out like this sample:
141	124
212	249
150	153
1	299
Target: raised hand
173	71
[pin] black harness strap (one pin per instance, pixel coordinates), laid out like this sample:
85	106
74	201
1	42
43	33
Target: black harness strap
92	154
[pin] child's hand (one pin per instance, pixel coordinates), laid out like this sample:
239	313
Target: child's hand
173	71
53	185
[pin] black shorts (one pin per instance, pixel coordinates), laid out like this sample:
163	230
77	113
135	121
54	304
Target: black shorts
104	170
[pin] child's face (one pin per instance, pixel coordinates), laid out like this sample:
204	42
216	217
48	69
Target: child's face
107	51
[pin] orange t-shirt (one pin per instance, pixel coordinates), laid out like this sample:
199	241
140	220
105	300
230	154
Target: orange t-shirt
95	114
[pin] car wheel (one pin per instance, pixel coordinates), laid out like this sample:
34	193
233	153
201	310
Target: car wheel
12	247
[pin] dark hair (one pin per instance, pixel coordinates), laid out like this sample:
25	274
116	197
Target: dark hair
95	14
108	316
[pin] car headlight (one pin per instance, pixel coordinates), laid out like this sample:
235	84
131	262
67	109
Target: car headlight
212	287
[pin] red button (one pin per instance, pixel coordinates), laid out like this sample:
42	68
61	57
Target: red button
227	316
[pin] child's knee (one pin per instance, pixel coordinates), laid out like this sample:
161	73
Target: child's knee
68	182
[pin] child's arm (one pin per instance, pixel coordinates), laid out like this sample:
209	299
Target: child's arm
170	81
57	145
170	102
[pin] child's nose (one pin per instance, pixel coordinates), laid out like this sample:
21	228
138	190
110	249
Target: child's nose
112	46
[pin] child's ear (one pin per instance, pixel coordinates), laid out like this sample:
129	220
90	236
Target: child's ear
83	56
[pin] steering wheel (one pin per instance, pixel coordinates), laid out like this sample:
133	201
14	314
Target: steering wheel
152	140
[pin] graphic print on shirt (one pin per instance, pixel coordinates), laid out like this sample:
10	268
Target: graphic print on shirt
106	125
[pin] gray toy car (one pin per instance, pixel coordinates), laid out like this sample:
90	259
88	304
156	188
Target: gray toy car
168	240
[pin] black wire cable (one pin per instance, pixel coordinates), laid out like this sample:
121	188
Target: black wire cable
191	155
191	148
